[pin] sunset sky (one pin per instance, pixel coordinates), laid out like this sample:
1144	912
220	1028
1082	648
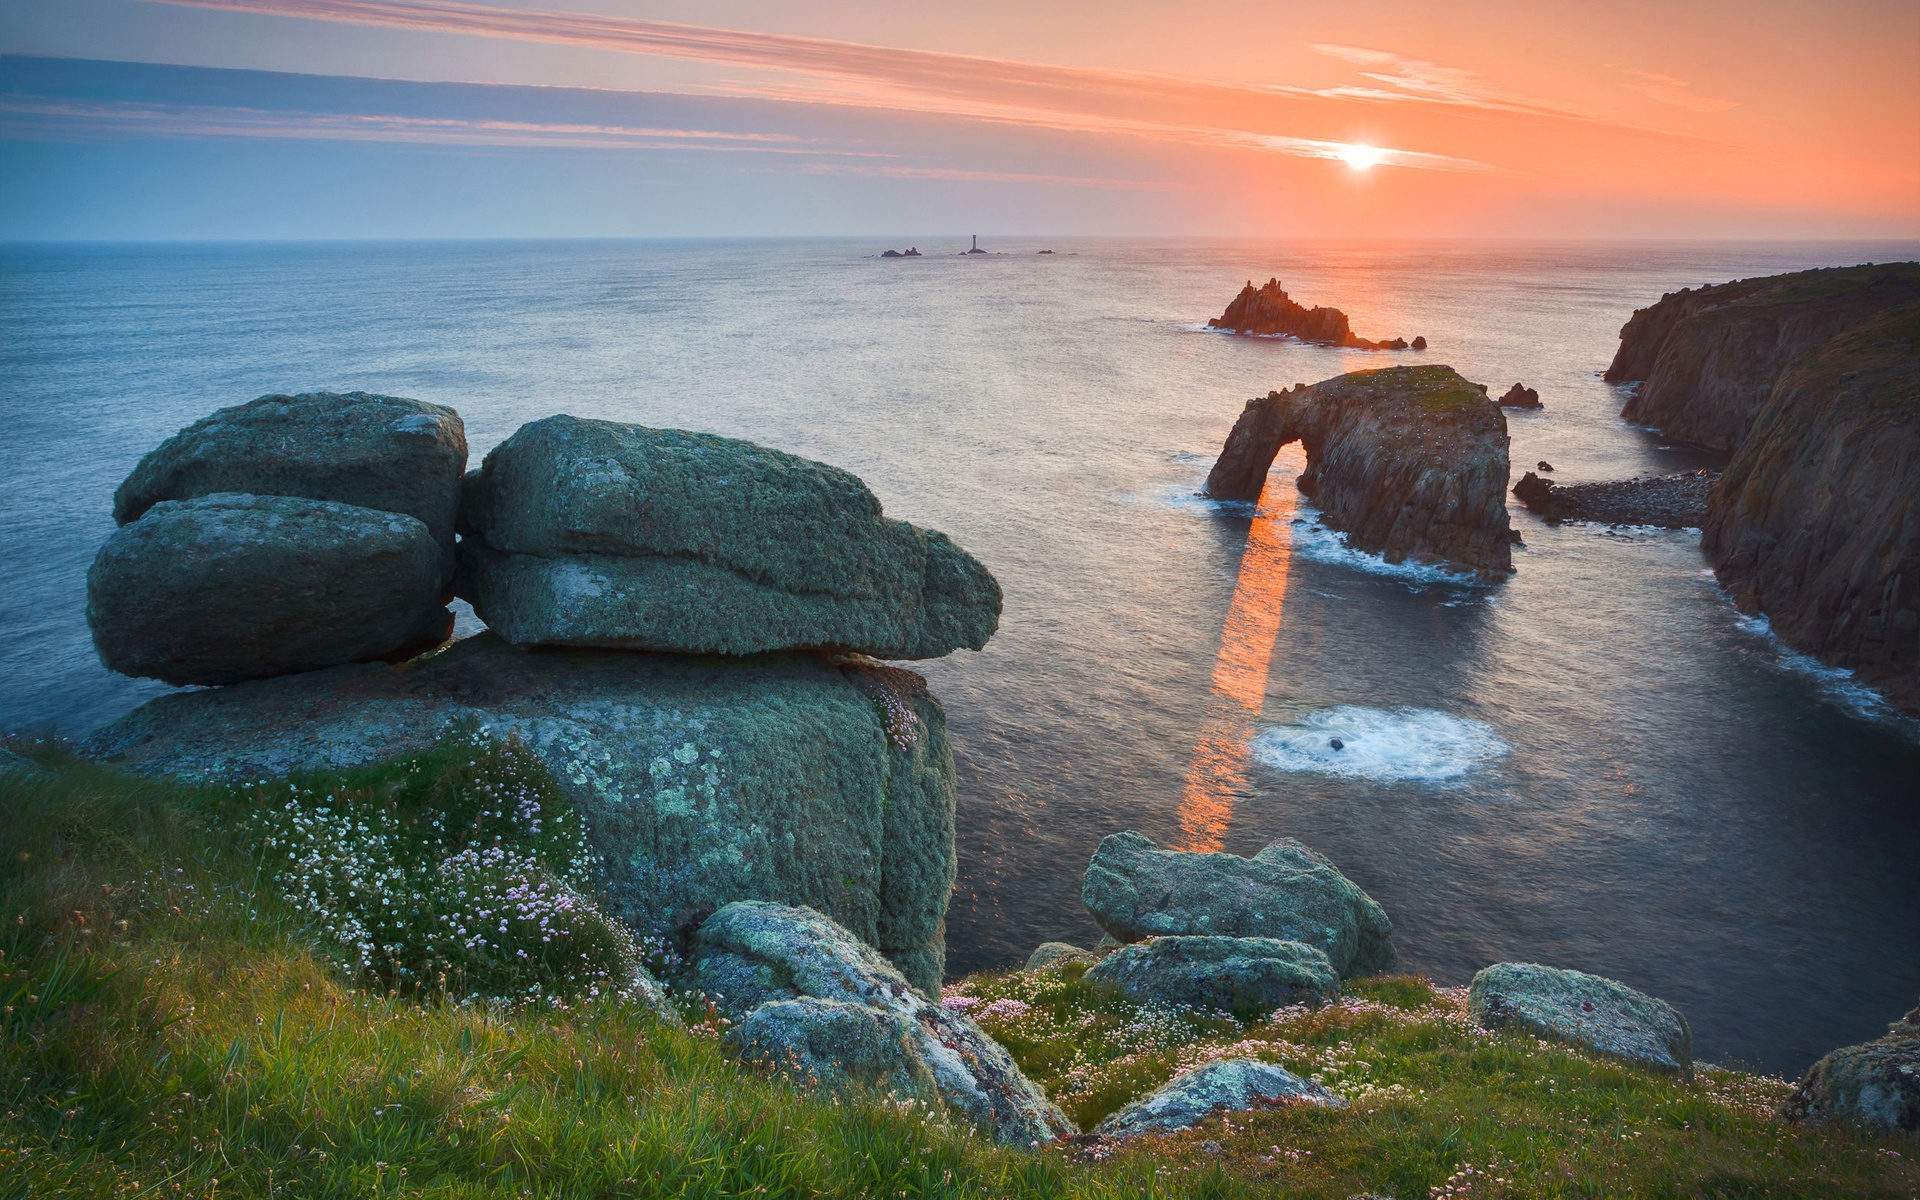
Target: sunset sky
378	118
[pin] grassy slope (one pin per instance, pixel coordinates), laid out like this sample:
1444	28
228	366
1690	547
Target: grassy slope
172	1031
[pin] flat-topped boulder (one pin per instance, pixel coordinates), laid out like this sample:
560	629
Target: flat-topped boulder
379	452
1589	1010
228	587
1709	358
1241	975
1229	1085
1136	890
1815	522
751	956
700	780
1410	462
594	533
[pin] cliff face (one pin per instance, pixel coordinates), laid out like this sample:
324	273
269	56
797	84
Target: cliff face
1709	358
1817	521
1410	462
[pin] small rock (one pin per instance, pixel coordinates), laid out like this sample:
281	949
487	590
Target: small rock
1591	1010
1875	1084
1546	466
1136	890
1419	343
1225	974
1336	743
1210	1146
752	953
1053	954
1520	396
1228	1084
231	587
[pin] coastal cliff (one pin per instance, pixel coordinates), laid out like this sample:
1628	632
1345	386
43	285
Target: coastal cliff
1709	358
1817	520
1410	462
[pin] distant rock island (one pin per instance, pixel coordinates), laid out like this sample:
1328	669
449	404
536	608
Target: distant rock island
1812	379
1268	310
909	252
1411	462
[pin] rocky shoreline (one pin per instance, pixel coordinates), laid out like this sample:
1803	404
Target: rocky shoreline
1669	501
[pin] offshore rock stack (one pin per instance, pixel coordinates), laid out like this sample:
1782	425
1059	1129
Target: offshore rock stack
293	548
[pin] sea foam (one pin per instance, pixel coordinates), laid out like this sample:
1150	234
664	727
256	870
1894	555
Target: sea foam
1417	745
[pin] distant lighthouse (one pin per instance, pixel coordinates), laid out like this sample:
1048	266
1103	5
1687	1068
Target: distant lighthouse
976	246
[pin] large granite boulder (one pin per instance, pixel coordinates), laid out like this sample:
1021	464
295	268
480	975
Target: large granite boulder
1242	975
593	533
834	1044
701	780
1815	522
1136	890
1590	1010
229	587
751	955
379	452
1875	1084
1709	358
1410	462
1224	1085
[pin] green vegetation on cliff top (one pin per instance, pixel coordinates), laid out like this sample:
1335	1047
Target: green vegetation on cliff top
176	1025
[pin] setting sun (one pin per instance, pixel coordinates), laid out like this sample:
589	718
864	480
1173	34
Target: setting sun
1360	157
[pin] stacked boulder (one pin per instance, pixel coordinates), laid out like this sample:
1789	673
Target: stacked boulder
813	1000
592	533
288	534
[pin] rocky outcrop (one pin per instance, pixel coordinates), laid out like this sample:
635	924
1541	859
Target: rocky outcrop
1875	1084
835	1045
1224	1085
378	452
1136	890
593	533
1817	520
1411	462
1269	311
229	587
751	955
1054	954
1241	975
701	780
1520	396
1709	359
1589	1010
1670	501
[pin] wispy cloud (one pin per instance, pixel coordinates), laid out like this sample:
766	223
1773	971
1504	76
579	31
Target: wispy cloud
850	73
1668	90
1417	79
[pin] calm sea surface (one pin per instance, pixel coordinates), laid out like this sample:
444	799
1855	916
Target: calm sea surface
1596	764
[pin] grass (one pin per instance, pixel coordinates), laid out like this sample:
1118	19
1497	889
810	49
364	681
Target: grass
177	1026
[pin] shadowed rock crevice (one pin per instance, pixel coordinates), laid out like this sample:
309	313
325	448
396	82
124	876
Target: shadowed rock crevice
1410	462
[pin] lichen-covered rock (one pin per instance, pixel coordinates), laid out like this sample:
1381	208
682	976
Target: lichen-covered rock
1224	1085
1591	1010
1054	954
1710	358
835	1044
1875	1084
594	533
1411	462
379	452
1815	522
1136	890
1246	975
749	955
701	780
229	587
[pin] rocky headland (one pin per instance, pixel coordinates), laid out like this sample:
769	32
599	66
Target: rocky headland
1267	310
1708	359
1670	501
1816	522
1409	462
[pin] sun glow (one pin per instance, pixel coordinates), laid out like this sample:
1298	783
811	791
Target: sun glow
1360	157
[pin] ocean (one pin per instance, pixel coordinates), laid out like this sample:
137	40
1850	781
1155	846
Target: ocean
1597	763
